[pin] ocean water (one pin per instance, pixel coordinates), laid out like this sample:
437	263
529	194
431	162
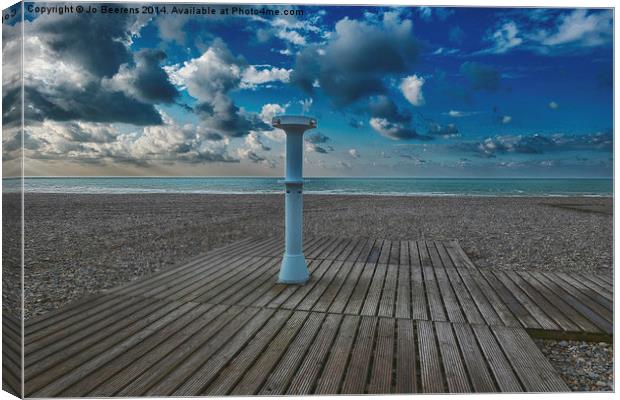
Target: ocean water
352	186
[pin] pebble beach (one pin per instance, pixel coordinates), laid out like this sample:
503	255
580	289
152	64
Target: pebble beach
81	244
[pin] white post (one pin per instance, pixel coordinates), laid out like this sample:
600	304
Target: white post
294	269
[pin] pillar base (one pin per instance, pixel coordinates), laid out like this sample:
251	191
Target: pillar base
294	270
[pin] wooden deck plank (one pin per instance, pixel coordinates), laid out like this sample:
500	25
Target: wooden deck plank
335	366
590	281
302	291
381	372
195	383
541	301
280	378
127	376
229	376
452	306
418	292
374	292
592	310
402	308
530	364
395	253
67	374
403	257
253	380
505	377
562	301
476	365
470	310
433	294
505	300
601	281
375	252
320	287
388	297
142	383
585	290
430	366
344	293
67	352
177	376
90	382
358	295
384	256
324	302
456	376
308	372
359	365
406	369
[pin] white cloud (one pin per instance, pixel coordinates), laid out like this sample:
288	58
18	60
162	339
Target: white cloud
215	72
292	37
504	39
253	76
506	119
271	110
553	105
306	104
354	153
580	27
411	87
460	114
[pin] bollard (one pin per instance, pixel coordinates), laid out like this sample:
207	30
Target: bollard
294	269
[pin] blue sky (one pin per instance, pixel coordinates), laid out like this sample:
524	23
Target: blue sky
407	91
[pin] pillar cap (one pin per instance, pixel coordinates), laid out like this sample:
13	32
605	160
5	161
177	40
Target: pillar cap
293	122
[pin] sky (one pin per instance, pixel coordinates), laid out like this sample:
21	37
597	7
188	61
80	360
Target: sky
397	91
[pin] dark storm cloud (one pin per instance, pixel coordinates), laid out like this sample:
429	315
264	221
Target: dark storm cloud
95	41
349	67
91	104
224	117
316	138
147	81
384	107
102	80
481	76
442	130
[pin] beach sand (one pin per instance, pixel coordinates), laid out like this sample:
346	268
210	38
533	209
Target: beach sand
80	244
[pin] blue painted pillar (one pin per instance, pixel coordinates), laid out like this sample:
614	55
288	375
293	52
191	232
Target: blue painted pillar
294	269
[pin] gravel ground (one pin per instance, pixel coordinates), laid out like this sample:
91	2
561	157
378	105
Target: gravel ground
80	244
583	366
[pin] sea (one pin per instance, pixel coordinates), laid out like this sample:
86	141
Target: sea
331	186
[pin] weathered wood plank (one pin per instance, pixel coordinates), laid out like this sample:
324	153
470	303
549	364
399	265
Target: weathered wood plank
254	379
388	297
497	361
456	376
476	365
308	372
359	292
229	376
195	383
433	293
381	372
418	292
530	364
374	292
130	374
406	369
403	291
430	366
324	302
141	384
335	367
357	371
279	379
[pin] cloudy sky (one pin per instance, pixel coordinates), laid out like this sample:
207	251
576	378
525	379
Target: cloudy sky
397	92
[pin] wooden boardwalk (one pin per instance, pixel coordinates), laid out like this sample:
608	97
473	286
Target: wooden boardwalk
376	317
